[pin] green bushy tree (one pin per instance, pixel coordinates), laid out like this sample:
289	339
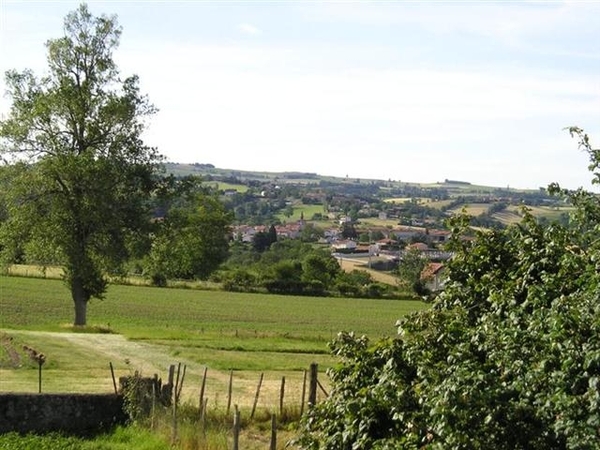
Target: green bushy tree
191	239
80	175
410	270
507	357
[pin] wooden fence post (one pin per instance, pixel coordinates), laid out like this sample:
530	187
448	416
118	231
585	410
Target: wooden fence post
181	383
303	393
112	373
229	391
312	391
176	392
40	362
202	387
281	395
256	396
273	445
170	383
236	429
203	416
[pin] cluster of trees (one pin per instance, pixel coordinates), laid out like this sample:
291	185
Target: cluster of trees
295	267
508	357
81	189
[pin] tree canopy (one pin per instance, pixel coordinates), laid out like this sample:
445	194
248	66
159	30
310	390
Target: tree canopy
508	357
190	238
80	174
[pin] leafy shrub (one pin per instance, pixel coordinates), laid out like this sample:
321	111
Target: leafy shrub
238	280
508	357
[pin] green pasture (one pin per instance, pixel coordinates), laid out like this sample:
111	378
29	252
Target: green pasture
140	312
377	222
222	186
139	328
302	210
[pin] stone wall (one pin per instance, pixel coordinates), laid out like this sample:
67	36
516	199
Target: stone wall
69	413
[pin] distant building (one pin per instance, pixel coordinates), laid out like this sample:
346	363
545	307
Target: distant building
344	245
434	276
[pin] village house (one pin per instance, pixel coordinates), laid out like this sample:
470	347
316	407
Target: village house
344	245
436	236
407	233
434	276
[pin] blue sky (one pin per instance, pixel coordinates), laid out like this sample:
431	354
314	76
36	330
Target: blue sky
411	91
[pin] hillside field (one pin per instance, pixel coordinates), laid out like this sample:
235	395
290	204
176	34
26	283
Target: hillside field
146	329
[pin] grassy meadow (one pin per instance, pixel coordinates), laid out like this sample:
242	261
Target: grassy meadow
301	210
145	329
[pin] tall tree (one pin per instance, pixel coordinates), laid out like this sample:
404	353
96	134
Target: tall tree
83	174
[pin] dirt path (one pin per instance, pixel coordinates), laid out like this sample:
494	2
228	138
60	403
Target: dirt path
114	347
146	358
149	359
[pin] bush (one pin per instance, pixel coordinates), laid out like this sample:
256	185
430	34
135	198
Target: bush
508	357
239	280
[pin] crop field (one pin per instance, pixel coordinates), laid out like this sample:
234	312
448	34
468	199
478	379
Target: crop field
507	217
473	209
550	212
146	329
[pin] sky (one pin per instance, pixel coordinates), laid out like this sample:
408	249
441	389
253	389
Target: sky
409	91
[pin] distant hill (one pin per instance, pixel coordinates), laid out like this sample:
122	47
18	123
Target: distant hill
397	202
203	169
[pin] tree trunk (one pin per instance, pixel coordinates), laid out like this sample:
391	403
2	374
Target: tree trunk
80	299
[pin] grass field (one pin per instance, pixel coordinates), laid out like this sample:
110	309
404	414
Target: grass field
151	328
473	209
307	211
222	186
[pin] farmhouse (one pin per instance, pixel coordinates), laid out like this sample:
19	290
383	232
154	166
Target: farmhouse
407	233
434	276
344	245
435	236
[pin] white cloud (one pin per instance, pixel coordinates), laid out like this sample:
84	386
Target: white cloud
246	28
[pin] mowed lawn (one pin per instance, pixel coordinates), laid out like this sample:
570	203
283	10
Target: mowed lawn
154	327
